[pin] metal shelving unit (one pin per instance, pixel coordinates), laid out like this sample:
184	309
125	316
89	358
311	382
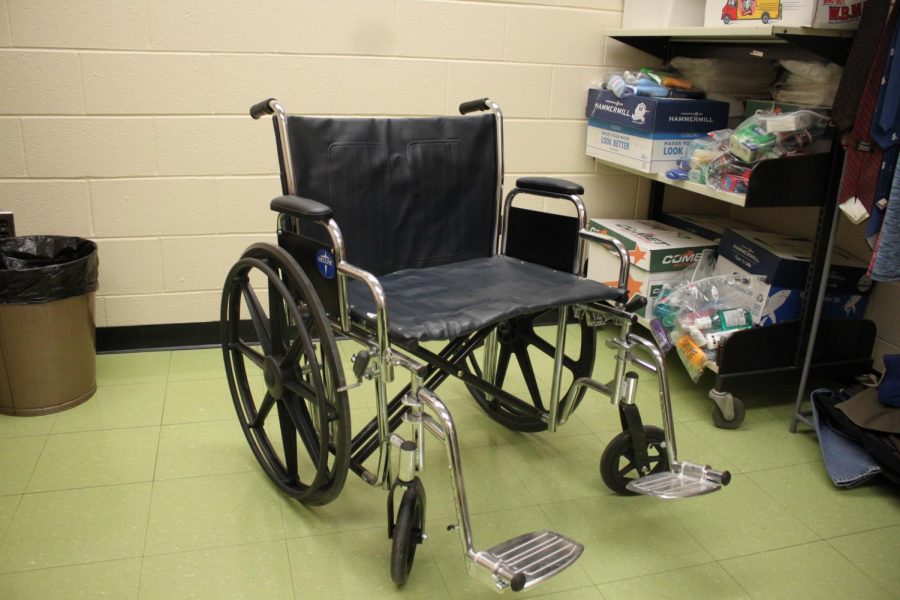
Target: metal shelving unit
796	347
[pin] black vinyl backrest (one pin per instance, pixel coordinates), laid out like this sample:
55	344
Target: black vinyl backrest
406	192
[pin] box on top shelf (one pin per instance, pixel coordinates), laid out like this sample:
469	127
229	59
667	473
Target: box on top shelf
647	134
659	254
655	14
837	14
711	227
784	262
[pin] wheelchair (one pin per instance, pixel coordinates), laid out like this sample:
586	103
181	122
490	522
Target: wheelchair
393	235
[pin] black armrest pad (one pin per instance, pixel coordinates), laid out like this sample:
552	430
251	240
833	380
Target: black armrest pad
548	184
303	208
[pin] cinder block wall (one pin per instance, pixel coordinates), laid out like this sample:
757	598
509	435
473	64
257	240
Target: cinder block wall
125	121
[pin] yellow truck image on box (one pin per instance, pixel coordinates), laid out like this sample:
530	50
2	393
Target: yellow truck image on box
757	10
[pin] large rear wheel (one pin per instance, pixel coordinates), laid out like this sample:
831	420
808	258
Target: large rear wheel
284	372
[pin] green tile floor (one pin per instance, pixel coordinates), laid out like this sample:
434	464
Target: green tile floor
148	490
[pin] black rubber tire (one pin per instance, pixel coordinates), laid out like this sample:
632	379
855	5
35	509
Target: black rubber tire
301	367
726	20
721	422
766	18
516	341
407	533
615	475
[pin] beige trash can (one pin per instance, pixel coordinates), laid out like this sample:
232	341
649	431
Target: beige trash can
47	332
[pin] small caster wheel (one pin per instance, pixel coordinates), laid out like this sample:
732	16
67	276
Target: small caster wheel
408	532
617	466
719	416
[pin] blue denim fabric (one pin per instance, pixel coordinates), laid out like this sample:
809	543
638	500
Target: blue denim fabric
887	261
847	463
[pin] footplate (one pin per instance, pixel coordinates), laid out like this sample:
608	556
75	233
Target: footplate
529	559
684	480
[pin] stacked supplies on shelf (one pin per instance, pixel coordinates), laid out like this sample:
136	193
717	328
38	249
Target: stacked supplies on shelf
647	133
724	159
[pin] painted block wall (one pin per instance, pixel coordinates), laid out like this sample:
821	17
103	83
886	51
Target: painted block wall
125	121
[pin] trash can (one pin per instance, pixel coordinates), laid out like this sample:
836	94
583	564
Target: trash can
47	332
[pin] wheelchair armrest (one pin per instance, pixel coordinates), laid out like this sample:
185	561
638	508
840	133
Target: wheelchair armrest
617	246
542	185
303	208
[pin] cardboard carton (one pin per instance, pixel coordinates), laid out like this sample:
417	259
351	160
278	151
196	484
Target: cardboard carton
784	262
659	254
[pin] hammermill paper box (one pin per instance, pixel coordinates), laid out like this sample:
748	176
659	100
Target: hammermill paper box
659	254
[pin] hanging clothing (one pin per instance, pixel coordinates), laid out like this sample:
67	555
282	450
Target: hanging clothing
862	56
864	159
886	261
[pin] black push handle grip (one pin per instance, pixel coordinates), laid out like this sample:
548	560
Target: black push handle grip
473	105
262	108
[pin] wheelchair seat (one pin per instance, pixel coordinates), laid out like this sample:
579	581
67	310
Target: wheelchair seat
448	301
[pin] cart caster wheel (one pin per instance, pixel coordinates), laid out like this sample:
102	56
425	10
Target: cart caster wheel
617	466
408	532
720	419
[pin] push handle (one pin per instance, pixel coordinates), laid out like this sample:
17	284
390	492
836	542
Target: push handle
262	108
473	105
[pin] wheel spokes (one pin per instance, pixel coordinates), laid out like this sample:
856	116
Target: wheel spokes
264	409
302	421
255	357
257	317
289	443
528	373
276	319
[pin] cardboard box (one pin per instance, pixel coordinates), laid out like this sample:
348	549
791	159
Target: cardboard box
659	254
711	227
784	262
647	134
657	115
643	151
654	14
841	14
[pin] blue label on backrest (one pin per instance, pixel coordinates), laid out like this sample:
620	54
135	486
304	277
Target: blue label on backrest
325	263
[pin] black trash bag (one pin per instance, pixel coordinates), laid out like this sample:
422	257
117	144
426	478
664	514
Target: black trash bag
42	268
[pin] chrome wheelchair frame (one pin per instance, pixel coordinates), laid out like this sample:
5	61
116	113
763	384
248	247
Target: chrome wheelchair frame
319	386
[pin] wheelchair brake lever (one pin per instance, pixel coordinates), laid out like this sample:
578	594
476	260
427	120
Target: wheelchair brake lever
361	371
635	304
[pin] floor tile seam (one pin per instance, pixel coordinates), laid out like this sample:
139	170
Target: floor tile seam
186	477
213	546
518	477
154	555
663	572
858	567
85	487
70	565
35	465
760	552
148	381
165	424
8	525
287	552
76	563
77	431
861	531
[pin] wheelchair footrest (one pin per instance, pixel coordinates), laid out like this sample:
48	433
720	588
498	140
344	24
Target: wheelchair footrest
529	559
684	480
